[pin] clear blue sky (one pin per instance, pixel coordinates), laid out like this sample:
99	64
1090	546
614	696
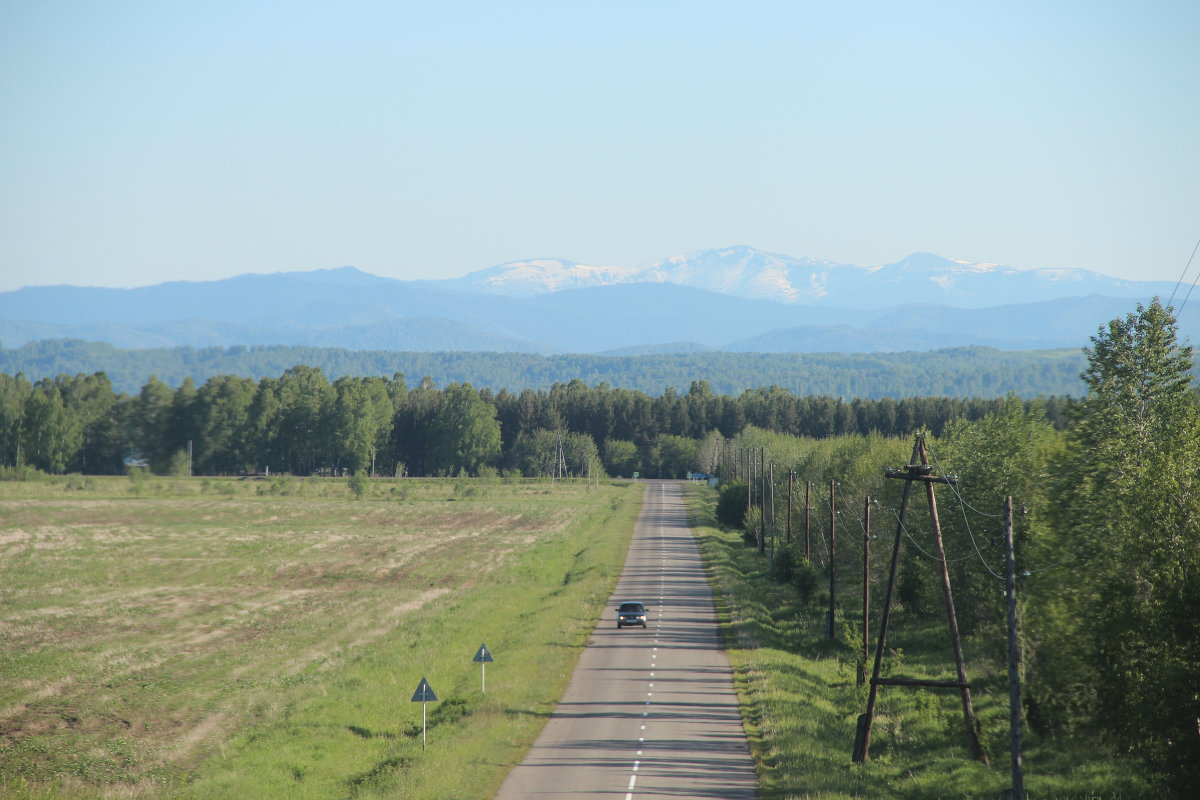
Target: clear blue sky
151	141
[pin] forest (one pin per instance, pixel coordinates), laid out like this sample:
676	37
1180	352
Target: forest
954	372
304	424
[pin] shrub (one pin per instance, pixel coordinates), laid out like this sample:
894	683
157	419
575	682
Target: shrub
752	519
21	472
731	505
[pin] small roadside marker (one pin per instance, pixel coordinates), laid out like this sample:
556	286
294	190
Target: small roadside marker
482	658
424	694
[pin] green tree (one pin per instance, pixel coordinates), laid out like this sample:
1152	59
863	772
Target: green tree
152	416
91	396
621	458
261	432
52	431
535	453
1127	508
1007	453
14	394
464	433
304	437
223	412
710	451
582	456
183	425
671	456
362	420
411	443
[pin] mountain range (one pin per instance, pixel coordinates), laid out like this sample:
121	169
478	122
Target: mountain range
735	299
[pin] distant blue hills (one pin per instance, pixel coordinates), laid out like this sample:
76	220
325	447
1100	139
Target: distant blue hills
735	300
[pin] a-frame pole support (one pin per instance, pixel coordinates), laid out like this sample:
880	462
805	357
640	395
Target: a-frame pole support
952	620
918	470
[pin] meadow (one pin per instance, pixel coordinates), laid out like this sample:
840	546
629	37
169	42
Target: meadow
801	699
212	638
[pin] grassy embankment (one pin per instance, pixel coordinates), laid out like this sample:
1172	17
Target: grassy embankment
204	638
800	701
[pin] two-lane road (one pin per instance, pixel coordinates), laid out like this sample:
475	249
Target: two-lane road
648	713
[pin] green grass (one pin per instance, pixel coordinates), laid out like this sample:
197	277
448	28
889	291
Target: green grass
213	638
800	698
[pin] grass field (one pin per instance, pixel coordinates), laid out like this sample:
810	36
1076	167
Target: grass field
213	638
800	699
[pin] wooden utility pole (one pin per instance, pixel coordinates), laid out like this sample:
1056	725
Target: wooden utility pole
771	493
791	475
918	471
832	560
952	620
807	521
771	485
762	502
866	645
749	482
1017	792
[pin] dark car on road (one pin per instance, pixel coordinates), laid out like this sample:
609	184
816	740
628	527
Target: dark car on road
631	613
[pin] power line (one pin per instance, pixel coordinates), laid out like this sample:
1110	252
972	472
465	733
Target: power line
925	552
862	525
1185	272
1188	296
962	500
971	534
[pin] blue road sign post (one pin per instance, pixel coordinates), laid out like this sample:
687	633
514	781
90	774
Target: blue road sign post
482	658
424	694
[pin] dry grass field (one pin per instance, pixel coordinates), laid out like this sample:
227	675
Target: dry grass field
220	638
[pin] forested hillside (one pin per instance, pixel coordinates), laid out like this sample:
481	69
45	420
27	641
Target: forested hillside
955	372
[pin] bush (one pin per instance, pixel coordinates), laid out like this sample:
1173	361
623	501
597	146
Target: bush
138	477
21	472
731	505
789	567
753	522
180	465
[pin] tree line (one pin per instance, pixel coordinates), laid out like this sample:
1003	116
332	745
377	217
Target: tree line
303	423
1107	542
955	372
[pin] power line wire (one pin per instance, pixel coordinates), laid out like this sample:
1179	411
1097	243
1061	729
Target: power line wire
917	544
1188	296
954	487
1179	282
971	534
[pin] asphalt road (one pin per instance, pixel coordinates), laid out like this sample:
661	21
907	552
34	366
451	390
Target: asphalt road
648	713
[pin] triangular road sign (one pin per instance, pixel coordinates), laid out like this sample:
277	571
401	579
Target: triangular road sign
424	693
484	655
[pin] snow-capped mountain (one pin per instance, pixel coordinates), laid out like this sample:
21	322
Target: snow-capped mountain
735	298
540	276
749	273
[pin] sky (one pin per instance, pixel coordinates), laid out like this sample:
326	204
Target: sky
144	141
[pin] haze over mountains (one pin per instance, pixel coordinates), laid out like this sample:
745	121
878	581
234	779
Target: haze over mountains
735	299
